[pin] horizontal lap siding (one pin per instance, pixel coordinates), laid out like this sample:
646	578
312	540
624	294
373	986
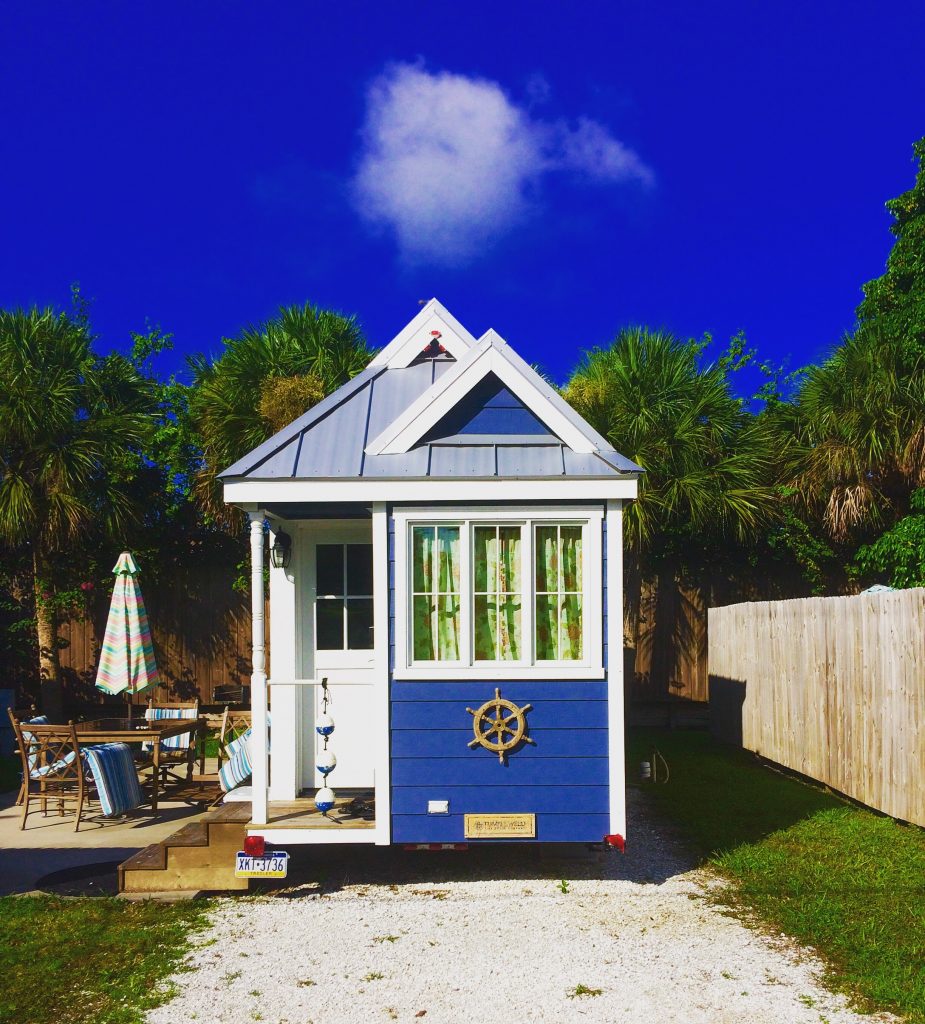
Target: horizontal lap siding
562	779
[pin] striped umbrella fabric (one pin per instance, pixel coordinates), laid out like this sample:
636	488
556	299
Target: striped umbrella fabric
127	660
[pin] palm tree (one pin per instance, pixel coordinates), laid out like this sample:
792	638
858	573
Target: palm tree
68	421
710	466
860	418
267	377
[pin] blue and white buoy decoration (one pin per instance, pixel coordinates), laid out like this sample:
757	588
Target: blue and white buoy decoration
324	799
325	760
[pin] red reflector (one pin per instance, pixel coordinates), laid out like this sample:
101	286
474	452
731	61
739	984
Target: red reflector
254	846
616	843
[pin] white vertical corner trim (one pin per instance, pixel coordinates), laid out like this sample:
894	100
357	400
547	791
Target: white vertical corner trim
259	753
410	341
382	769
491	355
285	769
615	682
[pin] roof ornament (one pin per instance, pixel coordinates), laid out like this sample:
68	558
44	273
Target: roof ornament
433	348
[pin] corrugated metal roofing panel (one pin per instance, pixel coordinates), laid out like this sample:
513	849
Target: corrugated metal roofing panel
333	447
582	464
413	463
534	460
456	461
394	391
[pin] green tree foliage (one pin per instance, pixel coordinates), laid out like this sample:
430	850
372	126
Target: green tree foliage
265	378
68	418
709	464
894	304
898	556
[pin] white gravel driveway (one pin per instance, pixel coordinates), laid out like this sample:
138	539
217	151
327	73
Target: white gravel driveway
489	936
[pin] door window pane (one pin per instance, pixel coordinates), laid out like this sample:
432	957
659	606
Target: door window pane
330	569
558	626
360	623
359	570
330	624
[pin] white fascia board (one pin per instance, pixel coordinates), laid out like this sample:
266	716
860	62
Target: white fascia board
490	356
465	491
404	348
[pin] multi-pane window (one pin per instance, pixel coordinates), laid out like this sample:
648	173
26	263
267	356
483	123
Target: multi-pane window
497	593
558	592
344	597
436	621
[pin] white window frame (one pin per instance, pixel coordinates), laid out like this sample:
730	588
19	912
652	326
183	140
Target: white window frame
467	518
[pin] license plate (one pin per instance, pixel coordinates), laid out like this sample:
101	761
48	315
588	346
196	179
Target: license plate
270	865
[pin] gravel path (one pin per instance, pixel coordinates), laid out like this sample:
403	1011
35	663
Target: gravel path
488	936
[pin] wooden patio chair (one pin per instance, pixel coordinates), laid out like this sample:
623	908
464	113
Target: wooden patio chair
52	765
234	724
176	751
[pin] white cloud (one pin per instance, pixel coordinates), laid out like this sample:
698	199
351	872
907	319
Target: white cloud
449	161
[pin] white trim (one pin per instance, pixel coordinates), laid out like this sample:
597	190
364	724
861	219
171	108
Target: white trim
450	389
318	836
615	683
466	517
404	348
369	489
382	772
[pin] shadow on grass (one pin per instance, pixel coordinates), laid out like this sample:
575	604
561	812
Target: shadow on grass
719	796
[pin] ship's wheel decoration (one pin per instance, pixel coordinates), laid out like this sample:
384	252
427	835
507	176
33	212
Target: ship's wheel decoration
499	725
325	760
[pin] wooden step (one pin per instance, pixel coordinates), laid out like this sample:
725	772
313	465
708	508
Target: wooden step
194	834
151	858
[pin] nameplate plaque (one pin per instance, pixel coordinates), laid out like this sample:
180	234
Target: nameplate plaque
500	826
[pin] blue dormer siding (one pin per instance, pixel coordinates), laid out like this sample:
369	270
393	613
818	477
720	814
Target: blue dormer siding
490	409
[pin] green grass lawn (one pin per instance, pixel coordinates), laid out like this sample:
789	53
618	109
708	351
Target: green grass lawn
847	881
76	961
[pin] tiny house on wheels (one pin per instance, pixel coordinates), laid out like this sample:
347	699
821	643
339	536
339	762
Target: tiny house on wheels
446	609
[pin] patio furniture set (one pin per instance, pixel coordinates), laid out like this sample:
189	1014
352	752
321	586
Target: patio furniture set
116	759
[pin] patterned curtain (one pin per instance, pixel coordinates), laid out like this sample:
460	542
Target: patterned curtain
435	601
497	587
558	620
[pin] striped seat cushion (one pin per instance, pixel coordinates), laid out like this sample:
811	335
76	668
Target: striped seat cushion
237	768
51	769
33	747
111	767
179	742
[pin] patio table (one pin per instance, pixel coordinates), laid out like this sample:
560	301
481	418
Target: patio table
127	730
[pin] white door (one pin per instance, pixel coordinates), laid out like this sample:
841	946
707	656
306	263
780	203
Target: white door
342	585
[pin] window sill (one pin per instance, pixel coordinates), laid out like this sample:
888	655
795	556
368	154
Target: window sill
500	672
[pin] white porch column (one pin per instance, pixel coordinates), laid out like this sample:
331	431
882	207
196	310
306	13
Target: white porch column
615	683
260	766
286	701
382	770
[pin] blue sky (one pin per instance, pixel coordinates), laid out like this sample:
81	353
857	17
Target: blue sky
552	170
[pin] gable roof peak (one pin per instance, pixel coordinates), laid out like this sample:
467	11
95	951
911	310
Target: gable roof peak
432	321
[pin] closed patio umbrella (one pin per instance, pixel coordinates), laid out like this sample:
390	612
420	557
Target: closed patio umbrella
127	660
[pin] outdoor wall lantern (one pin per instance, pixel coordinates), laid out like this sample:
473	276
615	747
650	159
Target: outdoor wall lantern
281	552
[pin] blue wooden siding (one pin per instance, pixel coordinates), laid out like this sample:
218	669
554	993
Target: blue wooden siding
562	779
489	409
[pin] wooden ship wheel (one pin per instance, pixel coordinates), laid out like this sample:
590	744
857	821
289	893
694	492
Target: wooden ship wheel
499	725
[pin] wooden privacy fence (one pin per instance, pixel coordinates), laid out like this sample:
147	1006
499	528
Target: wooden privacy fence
201	628
832	687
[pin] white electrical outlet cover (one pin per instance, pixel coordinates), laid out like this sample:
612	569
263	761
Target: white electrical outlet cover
438	806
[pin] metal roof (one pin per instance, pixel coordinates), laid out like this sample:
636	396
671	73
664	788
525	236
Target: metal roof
330	440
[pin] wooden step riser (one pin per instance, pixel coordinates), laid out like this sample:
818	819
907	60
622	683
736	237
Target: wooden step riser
188	867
